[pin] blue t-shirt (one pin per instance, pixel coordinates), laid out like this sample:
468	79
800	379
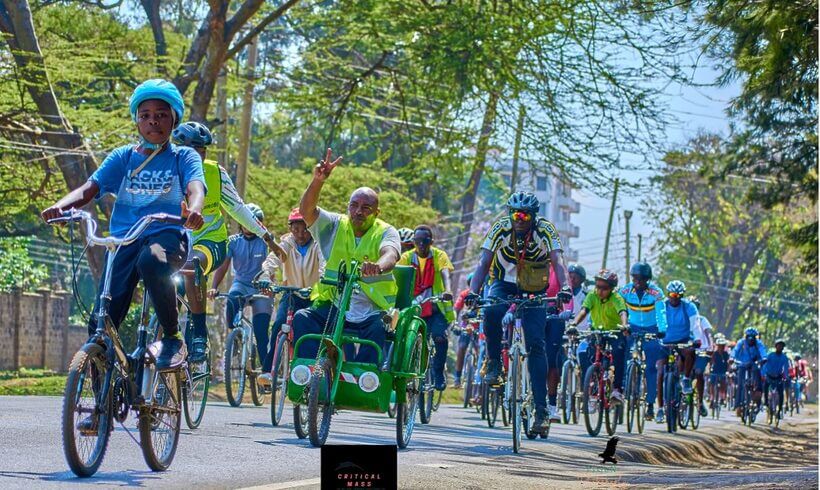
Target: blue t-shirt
246	257
677	321
777	365
160	187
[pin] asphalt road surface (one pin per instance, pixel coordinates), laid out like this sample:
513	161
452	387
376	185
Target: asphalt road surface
238	448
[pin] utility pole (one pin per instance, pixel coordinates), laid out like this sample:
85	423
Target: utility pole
517	148
609	226
640	237
246	122
222	117
628	216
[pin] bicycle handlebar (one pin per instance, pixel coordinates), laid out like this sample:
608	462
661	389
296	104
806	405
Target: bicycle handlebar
525	301
75	215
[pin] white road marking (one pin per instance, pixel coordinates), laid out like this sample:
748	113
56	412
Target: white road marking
287	484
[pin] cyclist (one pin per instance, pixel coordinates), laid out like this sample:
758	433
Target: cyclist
681	316
519	249
747	351
153	176
703	334
608	312
358	235
406	237
245	254
776	371
302	267
210	241
720	366
433	269
644	303
803	374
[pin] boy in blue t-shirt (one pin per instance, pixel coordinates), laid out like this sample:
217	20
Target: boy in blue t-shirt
776	370
153	176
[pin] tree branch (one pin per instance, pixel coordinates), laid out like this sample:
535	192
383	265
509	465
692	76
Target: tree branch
248	38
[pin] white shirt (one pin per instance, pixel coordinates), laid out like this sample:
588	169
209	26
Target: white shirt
577	303
700	326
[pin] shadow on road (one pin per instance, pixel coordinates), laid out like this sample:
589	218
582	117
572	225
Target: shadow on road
120	478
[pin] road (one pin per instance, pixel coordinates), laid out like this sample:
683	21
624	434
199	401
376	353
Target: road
237	448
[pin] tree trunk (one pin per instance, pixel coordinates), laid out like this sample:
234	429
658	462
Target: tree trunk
151	8
77	164
214	58
469	200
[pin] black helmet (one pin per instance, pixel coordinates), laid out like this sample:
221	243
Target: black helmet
641	269
523	201
192	134
578	269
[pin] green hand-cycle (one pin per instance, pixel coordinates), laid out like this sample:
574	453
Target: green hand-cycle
330	382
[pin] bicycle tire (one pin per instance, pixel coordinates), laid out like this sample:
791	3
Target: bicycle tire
406	412
168	413
516	419
79	374
670	393
300	421
486	403
694	417
195	392
496	400
467	377
257	395
641	408
280	372
234	371
437	395
613	413
631	398
591	403
684	411
566	394
426	395
319	392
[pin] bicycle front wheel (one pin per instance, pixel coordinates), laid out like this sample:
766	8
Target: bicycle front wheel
195	392
257	395
160	420
631	398
84	449
279	379
406	412
320	407
591	402
567	394
234	370
469	374
515	401
671	394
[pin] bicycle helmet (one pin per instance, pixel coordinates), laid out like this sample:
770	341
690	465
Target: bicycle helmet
578	269
192	134
256	210
405	235
780	341
607	275
641	269
797	356
676	287
751	331
523	201
157	89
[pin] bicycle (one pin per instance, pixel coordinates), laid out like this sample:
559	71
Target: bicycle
715	400
774	408
677	412
731	388
635	392
280	368
106	384
570	379
429	401
241	363
598	386
472	329
748	407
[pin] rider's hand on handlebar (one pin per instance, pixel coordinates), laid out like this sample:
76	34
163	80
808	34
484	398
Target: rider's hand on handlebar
471	300
263	284
50	213
446	296
194	219
661	335
212	293
565	295
371	269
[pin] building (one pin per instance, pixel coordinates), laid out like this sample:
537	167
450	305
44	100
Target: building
554	194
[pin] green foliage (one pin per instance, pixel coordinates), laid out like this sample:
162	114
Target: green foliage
17	269
279	190
31	382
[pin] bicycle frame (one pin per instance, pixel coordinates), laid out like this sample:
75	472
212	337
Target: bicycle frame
602	354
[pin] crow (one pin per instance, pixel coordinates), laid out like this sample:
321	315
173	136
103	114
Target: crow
609	453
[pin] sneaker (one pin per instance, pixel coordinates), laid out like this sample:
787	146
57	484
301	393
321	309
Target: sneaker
88	426
616	398
440	381
659	418
650	413
199	349
169	352
703	411
264	379
687	386
541	422
493	372
553	411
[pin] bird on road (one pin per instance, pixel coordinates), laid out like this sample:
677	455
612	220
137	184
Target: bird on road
608	456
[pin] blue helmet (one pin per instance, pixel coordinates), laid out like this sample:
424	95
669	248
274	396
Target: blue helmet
676	287
641	269
157	89
578	269
192	134
751	331
523	201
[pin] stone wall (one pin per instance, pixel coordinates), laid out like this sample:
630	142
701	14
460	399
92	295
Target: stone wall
35	332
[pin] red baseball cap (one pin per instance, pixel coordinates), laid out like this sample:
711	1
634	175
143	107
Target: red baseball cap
295	215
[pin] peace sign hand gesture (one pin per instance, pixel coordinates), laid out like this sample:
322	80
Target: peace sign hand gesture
323	169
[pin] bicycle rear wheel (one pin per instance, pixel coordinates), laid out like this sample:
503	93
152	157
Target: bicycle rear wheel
426	395
280	373
257	395
160	420
467	378
406	412
84	452
195	392
591	403
685	408
234	370
300	421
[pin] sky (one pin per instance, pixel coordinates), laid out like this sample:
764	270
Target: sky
697	110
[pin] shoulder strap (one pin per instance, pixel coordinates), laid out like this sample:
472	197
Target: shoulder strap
147	160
